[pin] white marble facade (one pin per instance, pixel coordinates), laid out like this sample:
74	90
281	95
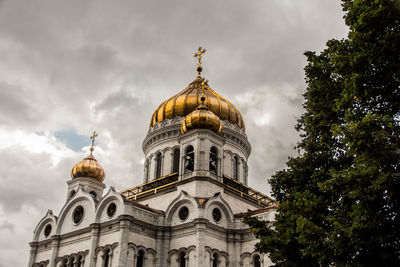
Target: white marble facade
192	220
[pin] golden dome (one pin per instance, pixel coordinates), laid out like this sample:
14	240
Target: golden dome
188	100
88	167
201	118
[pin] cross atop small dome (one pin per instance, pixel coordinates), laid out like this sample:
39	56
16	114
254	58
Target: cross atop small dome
89	167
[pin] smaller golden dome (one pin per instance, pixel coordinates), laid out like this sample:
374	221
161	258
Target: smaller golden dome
88	167
201	118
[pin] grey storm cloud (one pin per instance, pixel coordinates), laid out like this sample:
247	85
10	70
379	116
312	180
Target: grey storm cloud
106	66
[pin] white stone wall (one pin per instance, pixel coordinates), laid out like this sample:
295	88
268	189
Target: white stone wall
184	235
202	189
162	235
44	254
239	205
73	245
142	239
225	218
215	241
160	201
67	225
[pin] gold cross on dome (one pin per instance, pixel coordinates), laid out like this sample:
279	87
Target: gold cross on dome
94	135
199	54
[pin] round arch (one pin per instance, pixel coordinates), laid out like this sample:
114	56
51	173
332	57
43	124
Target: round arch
79	196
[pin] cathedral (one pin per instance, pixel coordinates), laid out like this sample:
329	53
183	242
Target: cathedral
189	209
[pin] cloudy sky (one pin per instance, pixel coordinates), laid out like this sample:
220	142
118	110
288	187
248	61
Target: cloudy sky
70	67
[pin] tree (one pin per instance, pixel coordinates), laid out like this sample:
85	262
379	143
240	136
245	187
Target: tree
339	200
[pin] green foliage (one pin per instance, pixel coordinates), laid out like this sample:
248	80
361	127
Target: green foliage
340	199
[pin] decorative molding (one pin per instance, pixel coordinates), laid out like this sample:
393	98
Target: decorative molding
111	247
182	249
41	264
177	120
228	125
251	256
220	254
136	248
73	257
167	129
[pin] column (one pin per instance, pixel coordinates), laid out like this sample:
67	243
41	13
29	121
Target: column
182	165
146	170
171	161
239	170
82	260
219	166
223	156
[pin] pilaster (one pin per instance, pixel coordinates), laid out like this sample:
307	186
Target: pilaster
124	225
162	247
200	226
94	243
32	254
234	249
55	244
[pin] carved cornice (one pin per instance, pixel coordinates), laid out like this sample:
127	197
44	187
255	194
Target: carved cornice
161	134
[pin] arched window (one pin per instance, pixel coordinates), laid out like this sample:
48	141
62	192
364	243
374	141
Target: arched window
175	163
245	172
106	258
140	259
189	159
215	260
71	262
213	160
235	168
256	261
182	259
147	171
158	165
79	261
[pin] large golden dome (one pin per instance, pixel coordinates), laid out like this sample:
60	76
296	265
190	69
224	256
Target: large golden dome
188	100
201	118
88	167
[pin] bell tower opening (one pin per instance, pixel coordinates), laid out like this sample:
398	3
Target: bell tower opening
213	160
189	159
235	168
175	163
158	165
